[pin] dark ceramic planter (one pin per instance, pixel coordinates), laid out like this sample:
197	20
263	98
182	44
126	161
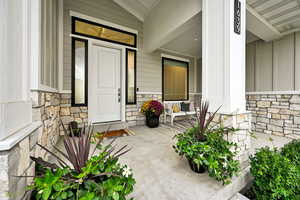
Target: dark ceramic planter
195	168
152	121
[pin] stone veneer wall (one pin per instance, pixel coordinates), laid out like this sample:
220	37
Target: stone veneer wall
135	117
46	108
68	113
242	137
275	114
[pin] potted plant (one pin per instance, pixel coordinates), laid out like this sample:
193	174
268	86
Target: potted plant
74	129
76	175
152	110
205	148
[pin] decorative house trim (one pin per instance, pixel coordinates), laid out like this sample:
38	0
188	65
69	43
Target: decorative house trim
176	58
12	140
177	52
146	92
273	92
65	91
60	45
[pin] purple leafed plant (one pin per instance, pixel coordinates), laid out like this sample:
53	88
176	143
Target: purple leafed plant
77	150
204	119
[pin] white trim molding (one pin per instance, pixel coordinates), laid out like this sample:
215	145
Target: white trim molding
273	92
163	55
12	140
60	45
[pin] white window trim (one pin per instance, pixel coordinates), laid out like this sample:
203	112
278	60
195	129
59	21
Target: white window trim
175	57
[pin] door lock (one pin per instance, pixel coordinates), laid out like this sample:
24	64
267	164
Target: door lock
119	95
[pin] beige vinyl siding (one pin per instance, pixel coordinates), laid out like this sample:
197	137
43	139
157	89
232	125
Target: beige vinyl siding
283	64
250	69
149	66
273	66
49	65
199	75
263	66
297	61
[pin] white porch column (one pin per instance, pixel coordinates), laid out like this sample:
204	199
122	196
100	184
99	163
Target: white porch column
223	71
15	103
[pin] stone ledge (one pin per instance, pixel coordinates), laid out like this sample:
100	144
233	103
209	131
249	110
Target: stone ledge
14	139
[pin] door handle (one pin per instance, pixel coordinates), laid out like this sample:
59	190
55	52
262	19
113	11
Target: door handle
119	95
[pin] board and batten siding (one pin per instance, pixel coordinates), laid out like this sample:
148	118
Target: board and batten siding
149	66
273	66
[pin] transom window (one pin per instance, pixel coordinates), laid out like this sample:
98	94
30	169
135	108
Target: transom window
102	32
175	80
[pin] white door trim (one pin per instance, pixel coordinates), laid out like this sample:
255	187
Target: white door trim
92	43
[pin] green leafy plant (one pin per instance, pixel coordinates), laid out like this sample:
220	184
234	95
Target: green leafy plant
292	151
215	153
276	177
204	146
95	177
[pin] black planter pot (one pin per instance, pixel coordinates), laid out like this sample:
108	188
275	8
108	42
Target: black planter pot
201	169
152	121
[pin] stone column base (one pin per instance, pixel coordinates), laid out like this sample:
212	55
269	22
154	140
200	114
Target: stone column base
242	137
15	162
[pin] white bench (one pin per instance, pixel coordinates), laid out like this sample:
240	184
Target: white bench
168	106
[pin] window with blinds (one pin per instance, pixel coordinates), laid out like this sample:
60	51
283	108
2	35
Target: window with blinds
175	80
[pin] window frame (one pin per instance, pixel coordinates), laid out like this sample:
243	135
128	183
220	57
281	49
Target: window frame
126	74
163	77
104	26
73	104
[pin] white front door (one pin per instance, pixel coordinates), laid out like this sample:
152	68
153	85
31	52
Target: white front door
105	85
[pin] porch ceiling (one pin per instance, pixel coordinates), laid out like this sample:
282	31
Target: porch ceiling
283	15
139	8
266	20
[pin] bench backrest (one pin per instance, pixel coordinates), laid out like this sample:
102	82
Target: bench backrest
168	105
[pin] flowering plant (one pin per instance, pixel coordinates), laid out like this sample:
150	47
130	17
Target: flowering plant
152	107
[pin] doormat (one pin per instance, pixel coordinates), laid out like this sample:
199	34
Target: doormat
116	133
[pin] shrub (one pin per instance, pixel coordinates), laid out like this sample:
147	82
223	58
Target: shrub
292	151
275	176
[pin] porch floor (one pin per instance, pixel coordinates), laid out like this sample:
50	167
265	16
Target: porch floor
161	174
